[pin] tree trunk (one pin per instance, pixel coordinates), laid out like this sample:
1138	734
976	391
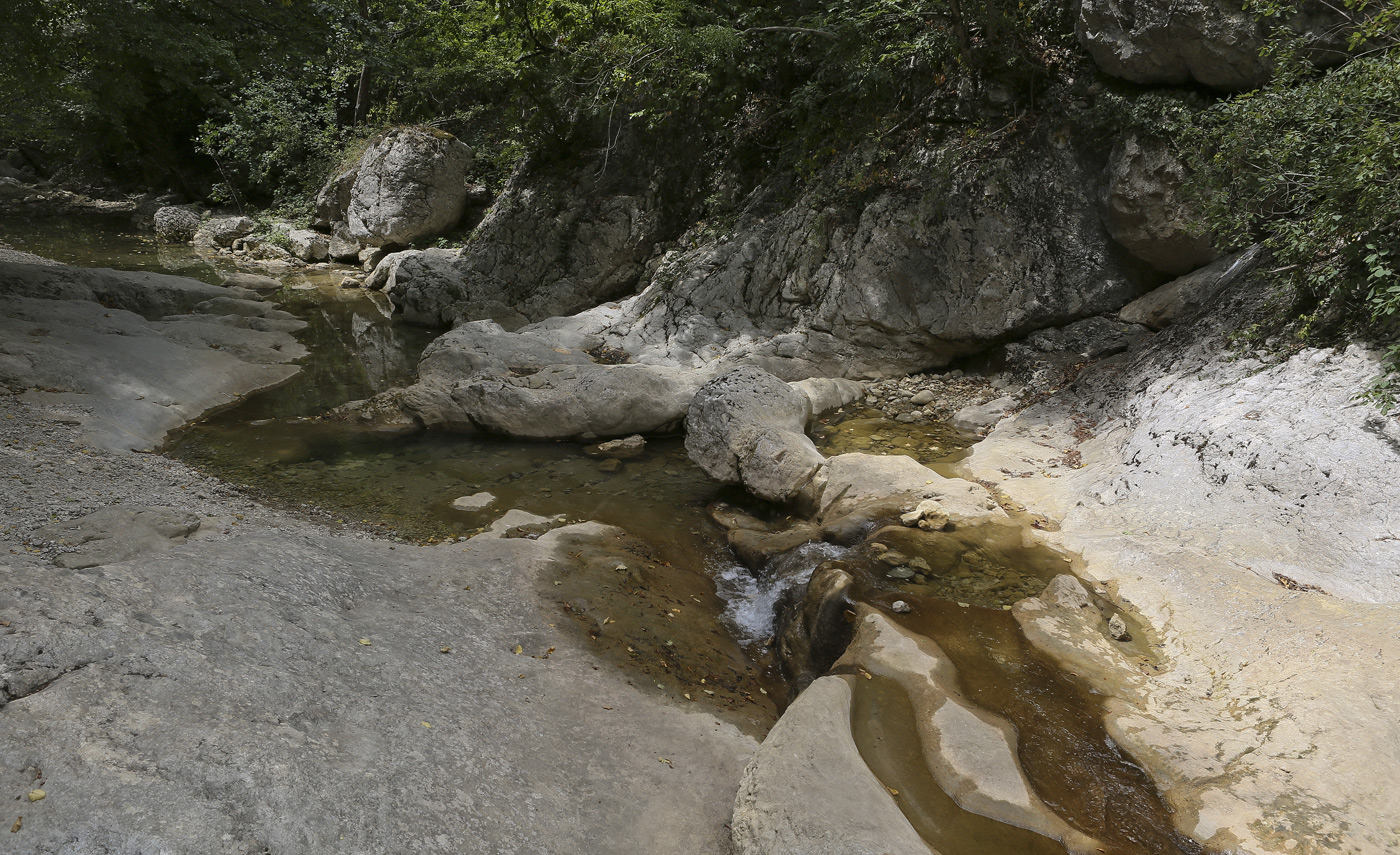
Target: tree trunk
362	93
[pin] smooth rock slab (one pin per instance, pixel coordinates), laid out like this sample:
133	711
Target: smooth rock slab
284	691
119	533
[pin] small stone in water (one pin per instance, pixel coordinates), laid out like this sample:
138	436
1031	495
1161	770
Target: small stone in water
900	607
1118	629
901	573
474	502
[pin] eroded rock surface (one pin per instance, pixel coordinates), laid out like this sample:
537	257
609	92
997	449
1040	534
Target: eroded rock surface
1145	209
1218	498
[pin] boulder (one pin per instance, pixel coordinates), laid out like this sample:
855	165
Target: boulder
1091	338
1144	211
859	482
223	231
333	200
1189	294
1213	42
343	247
410	184
309	245
176	224
814	632
747	427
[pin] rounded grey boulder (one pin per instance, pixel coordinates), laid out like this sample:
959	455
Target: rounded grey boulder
1144	211
175	224
748	427
411	184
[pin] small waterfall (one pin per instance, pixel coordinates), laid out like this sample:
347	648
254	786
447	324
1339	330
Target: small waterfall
751	600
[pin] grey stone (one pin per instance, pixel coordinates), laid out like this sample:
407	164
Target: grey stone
249	693
1214	42
333	200
252	281
1189	294
343	247
747	427
981	417
410	184
309	245
1118	629
925	397
223	231
1091	338
807	790
1145	210
907	282
138	378
176	224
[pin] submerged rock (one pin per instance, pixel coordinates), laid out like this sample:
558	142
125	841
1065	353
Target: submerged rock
474	502
223	231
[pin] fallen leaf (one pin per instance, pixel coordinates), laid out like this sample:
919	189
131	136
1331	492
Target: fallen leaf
425	724
445	650
518	650
36	795
365	642
893	791
14	828
667	762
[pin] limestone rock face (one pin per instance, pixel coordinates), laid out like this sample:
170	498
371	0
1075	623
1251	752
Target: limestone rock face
1144	210
119	533
410	184
748	427
309	245
223	231
175	224
550	245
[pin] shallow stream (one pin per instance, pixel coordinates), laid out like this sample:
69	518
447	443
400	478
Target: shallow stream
687	617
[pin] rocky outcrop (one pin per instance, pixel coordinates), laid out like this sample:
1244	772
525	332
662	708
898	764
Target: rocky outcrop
1189	294
908	281
748	427
807	789
221	232
411	183
176	224
333	200
1145	210
308	245
135	378
552	244
1213	42
1246	510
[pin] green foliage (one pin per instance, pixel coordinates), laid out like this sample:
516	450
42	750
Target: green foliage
1312	170
276	139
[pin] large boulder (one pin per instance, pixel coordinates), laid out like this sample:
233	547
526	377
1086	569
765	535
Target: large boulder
748	427
223	231
1144	209
308	245
1214	42
552	244
410	184
176	224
